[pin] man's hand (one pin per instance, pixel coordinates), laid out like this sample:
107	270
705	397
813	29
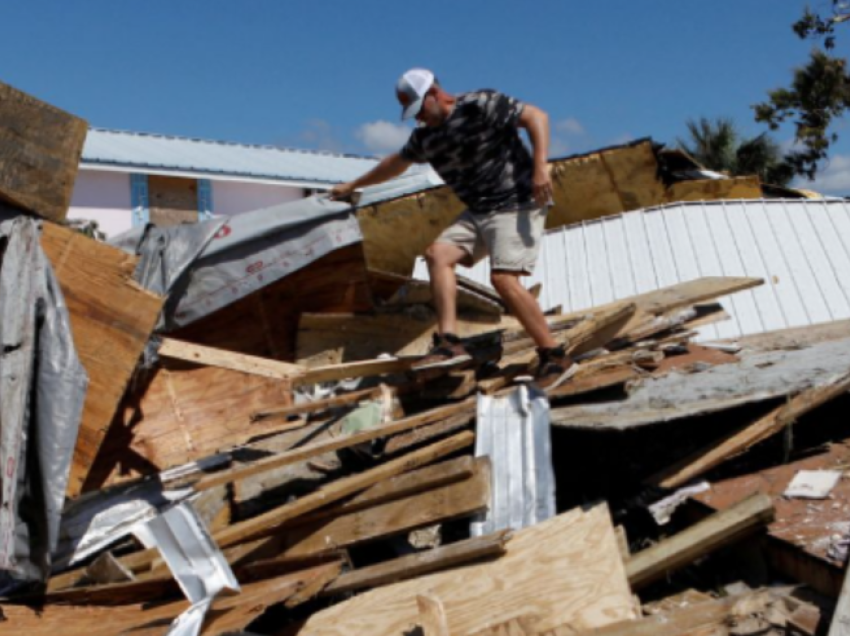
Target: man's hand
543	193
342	191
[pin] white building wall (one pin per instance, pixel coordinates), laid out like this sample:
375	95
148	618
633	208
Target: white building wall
236	197
103	197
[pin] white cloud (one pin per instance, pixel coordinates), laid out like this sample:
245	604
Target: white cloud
382	137
569	126
319	135
833	178
559	147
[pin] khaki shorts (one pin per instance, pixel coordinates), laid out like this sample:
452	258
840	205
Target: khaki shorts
510	237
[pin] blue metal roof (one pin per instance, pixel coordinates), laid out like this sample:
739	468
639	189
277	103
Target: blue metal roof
146	152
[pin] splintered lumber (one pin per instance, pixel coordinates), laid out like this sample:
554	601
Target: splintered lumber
604	378
40	149
567	570
719	529
443	503
364	368
266	523
314	450
710	456
425	562
588	334
112	318
405	441
227	614
316	406
715	613
179	350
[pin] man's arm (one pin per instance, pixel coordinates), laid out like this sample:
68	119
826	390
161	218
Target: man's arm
536	123
389	167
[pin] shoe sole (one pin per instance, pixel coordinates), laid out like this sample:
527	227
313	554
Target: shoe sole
441	364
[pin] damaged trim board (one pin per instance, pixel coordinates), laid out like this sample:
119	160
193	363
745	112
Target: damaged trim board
567	570
757	377
112	318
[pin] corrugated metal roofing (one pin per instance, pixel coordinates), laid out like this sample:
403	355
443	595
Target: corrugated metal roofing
800	247
143	151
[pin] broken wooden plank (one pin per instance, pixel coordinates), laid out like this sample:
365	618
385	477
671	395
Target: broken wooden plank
714	454
316	406
399	487
443	503
210	356
314	450
405	441
364	368
112	318
40	149
605	378
700	539
707	615
425	562
547	569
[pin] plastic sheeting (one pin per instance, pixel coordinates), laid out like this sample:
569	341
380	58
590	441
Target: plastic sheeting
42	389
514	432
207	266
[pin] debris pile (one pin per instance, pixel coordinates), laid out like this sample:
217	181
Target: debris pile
255	454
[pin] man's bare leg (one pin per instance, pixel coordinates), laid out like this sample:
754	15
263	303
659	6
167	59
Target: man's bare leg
442	258
524	306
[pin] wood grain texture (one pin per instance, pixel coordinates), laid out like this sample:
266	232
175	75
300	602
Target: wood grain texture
442	503
112	318
40	149
567	570
210	356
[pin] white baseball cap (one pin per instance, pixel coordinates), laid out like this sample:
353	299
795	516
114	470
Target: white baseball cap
411	89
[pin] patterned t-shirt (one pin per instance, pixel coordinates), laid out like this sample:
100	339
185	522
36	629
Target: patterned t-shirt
478	152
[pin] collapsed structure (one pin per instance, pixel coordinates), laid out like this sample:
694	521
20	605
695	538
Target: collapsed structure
214	428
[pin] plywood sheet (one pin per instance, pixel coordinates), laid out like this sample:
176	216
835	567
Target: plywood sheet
397	231
186	412
40	148
713	189
112	318
566	570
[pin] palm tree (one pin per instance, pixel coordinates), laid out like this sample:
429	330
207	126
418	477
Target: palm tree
718	146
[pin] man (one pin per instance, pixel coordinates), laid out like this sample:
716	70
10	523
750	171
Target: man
472	141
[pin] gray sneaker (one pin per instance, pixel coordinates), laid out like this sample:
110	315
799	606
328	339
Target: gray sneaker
447	351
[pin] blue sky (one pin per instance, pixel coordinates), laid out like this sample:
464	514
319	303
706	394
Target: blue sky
320	74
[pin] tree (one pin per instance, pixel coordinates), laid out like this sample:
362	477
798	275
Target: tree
719	146
819	93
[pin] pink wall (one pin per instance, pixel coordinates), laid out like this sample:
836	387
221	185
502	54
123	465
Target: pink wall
235	197
103	197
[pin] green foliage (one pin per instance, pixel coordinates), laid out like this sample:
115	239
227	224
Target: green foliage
719	146
819	93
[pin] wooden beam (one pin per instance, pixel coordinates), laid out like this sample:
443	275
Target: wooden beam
210	356
413	565
268	522
604	378
317	406
714	454
700	539
314	450
365	368
443	503
40	149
